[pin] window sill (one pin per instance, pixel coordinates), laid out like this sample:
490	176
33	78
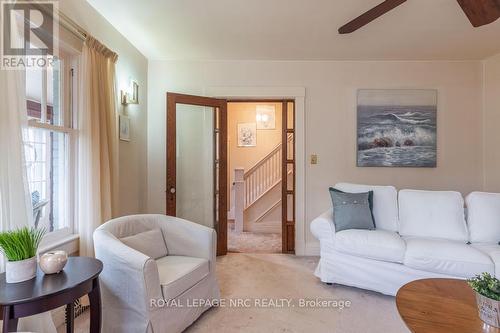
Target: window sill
63	241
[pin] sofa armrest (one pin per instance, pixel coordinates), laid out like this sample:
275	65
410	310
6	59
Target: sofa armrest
129	277
323	227
185	238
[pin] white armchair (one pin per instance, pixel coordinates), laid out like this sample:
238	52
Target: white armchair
149	285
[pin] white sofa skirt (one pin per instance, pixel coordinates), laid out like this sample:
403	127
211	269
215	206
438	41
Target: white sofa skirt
384	277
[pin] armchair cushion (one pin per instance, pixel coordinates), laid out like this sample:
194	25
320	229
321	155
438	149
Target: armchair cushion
179	273
150	243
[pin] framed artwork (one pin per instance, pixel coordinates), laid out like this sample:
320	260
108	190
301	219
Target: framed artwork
124	128
247	135
134	98
397	128
265	117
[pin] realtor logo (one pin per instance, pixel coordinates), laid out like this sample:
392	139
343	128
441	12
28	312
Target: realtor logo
29	33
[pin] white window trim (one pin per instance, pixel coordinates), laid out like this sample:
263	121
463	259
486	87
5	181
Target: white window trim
68	234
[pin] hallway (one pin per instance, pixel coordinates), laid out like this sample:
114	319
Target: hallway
251	242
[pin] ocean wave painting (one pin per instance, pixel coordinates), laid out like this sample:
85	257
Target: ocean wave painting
397	128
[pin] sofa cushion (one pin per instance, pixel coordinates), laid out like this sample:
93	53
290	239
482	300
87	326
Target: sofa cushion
150	243
483	217
373	244
432	214
446	257
351	211
179	273
385	203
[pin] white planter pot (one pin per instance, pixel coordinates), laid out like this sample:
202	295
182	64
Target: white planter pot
489	310
19	271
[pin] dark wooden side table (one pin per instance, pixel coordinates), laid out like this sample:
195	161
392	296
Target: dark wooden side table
47	292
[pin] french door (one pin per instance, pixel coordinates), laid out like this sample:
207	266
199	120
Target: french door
197	162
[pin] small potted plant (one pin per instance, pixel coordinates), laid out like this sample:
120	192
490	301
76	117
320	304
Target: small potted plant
20	248
487	290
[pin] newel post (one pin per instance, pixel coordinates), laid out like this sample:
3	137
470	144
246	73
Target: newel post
239	199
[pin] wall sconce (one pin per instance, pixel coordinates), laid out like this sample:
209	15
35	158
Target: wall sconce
131	94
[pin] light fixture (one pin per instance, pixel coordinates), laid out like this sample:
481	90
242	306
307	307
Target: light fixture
130	95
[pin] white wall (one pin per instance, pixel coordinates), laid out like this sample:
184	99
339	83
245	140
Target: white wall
492	124
330	119
131	64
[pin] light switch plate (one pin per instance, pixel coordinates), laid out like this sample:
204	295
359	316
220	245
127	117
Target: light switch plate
314	159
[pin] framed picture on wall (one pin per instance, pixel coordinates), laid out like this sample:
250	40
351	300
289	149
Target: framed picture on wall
124	128
247	135
265	117
397	128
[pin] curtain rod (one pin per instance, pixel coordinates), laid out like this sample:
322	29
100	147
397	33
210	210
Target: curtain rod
72	27
65	21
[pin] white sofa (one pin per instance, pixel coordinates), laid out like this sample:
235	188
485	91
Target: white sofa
419	234
150	258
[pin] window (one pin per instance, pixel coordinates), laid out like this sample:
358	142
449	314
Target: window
50	143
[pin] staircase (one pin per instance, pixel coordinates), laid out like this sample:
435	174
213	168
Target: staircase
257	191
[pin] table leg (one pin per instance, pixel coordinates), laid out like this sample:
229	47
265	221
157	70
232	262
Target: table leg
95	307
70	317
9	324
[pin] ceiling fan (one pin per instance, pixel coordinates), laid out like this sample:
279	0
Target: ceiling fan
479	12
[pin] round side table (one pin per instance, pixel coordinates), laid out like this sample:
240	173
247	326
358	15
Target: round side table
440	306
46	292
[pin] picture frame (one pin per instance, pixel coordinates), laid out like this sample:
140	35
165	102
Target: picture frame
397	128
124	128
247	134
133	98
265	115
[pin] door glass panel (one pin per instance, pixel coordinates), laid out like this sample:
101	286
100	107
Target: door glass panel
289	146
290	115
195	164
290	177
289	207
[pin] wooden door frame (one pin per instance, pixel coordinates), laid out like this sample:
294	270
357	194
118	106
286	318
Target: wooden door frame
172	100
287	227
304	245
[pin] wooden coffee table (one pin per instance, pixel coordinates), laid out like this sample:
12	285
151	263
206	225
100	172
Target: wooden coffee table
440	305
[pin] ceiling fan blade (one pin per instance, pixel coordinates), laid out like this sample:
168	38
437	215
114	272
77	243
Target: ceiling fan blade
481	12
370	15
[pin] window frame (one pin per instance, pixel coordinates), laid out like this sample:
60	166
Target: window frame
68	107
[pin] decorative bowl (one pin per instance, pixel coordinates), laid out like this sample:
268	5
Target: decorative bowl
53	262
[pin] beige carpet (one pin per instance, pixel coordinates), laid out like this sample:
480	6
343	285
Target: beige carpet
286	276
250	242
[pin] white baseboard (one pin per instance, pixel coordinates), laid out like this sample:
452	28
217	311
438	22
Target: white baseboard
311	249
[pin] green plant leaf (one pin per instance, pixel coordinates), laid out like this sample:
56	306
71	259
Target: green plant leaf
20	244
486	285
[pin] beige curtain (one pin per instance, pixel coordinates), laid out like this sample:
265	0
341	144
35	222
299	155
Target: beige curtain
98	145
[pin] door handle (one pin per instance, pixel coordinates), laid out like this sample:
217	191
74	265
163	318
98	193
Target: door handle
172	190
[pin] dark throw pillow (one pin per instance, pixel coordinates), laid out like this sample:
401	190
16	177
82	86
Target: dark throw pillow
352	210
370	201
